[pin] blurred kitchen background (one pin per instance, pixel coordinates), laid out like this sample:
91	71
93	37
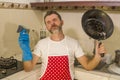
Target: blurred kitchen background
19	12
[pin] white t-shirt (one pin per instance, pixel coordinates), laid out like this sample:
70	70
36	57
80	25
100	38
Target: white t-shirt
68	46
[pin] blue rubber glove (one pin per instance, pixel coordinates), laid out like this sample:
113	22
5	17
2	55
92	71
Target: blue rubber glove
24	45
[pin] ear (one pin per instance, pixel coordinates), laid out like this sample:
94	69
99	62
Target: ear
62	22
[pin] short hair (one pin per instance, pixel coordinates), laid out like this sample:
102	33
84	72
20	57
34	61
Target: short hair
52	12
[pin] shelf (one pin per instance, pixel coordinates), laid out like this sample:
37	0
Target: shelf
74	5
10	5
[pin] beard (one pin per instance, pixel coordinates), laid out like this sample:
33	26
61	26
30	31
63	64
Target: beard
55	29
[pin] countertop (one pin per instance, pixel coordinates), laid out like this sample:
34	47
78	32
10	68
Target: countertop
22	75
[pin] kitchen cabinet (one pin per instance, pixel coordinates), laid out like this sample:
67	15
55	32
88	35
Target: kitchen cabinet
80	74
77	5
113	79
22	75
4	79
88	76
32	77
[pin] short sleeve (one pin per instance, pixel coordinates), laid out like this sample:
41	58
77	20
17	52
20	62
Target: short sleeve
37	51
41	48
78	50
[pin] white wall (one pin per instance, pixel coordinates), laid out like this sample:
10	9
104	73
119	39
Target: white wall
9	21
72	27
11	18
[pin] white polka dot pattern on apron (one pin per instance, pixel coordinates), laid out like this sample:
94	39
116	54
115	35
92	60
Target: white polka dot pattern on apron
57	68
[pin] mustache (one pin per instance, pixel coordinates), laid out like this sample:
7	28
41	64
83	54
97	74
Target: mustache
55	28
54	25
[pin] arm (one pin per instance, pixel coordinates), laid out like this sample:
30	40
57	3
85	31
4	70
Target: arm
29	65
91	64
28	59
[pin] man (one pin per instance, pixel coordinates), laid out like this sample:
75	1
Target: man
57	52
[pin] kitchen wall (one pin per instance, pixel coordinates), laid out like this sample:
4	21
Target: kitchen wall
32	19
10	19
72	27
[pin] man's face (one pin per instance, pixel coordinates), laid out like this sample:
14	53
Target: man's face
53	23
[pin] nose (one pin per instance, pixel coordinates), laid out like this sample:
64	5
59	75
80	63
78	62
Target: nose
52	23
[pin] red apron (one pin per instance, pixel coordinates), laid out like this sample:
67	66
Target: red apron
57	69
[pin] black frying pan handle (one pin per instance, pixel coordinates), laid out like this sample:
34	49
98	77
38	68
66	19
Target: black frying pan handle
102	54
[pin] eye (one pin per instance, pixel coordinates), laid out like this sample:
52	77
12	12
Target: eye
48	22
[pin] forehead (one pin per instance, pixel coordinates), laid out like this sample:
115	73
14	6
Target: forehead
50	17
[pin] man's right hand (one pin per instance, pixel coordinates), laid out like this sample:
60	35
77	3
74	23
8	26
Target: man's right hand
100	49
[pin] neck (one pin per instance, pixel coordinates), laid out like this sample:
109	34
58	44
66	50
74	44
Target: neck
57	37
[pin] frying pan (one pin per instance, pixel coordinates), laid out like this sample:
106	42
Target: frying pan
97	24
